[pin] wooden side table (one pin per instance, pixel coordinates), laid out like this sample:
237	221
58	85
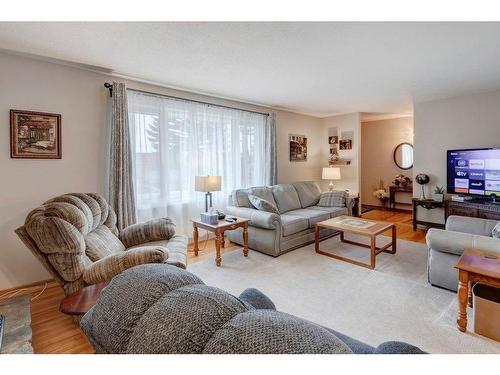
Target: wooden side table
219	230
393	189
474	266
80	302
428	204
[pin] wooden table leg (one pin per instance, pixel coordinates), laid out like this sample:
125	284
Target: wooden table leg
218	240
373	251
316	238
245	239
463	296
195	240
223	243
471	284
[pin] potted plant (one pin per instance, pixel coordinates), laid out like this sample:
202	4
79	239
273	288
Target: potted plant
382	195
439	193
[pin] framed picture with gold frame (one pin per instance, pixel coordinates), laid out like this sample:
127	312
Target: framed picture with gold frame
35	135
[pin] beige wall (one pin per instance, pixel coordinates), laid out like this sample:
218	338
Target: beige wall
378	141
350	173
292	123
80	97
462	122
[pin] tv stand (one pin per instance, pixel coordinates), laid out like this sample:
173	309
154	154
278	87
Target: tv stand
484	208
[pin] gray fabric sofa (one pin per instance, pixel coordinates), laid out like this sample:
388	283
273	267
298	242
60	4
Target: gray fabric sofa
275	234
446	246
153	309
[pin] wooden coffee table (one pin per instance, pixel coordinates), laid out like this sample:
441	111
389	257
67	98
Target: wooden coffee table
474	266
219	230
81	301
377	227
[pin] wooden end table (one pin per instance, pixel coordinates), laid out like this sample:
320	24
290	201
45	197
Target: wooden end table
80	302
378	227
219	230
474	266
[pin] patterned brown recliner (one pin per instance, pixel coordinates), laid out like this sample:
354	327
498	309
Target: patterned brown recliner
76	239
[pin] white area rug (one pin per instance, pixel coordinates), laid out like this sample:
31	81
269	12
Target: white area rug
392	302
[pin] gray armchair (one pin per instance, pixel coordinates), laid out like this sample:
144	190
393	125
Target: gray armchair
446	246
76	239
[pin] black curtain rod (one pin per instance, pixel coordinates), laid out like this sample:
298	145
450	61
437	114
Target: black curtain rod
110	88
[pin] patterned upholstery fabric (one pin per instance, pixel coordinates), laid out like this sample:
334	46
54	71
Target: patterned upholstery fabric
71	232
101	242
262	204
335	198
152	230
110	266
161	309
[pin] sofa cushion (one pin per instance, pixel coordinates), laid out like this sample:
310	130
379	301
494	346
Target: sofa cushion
495	233
334	198
333	211
262	204
313	216
291	224
286	197
112	265
308	191
176	248
101	242
240	196
273	332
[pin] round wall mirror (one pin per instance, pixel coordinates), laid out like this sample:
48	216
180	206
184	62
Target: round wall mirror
403	155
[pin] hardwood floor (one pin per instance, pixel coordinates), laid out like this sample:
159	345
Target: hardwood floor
54	332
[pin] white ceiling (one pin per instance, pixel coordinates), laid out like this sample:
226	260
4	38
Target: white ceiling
314	68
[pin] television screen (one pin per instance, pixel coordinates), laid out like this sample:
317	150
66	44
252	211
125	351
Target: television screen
475	172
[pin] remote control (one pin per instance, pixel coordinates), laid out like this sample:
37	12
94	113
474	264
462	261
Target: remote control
2	321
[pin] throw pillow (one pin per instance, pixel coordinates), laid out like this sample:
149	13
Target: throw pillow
262	204
335	198
495	233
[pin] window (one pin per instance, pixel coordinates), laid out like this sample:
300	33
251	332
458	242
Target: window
175	140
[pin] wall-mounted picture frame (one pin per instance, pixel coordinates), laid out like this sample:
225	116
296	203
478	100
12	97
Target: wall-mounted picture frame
345	142
35	135
298	147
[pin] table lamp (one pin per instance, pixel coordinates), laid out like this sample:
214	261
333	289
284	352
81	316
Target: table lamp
207	184
331	173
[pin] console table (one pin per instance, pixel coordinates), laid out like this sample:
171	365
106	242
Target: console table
393	189
428	204
473	208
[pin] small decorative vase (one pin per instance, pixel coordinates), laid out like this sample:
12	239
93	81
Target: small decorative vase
438	197
384	202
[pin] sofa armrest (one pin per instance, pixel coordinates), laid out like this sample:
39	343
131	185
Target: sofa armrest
261	219
152	230
472	225
451	242
107	268
350	202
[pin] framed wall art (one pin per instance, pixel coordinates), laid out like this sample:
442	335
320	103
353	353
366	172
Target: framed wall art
298	147
35	135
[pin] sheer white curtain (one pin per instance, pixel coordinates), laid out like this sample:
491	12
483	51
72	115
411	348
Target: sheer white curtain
175	140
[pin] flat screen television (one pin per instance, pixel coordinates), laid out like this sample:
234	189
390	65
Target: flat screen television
474	171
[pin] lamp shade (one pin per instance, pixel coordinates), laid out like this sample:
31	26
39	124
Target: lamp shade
331	173
207	183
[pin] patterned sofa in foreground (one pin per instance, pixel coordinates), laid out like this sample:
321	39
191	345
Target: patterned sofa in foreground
75	237
297	210
153	309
